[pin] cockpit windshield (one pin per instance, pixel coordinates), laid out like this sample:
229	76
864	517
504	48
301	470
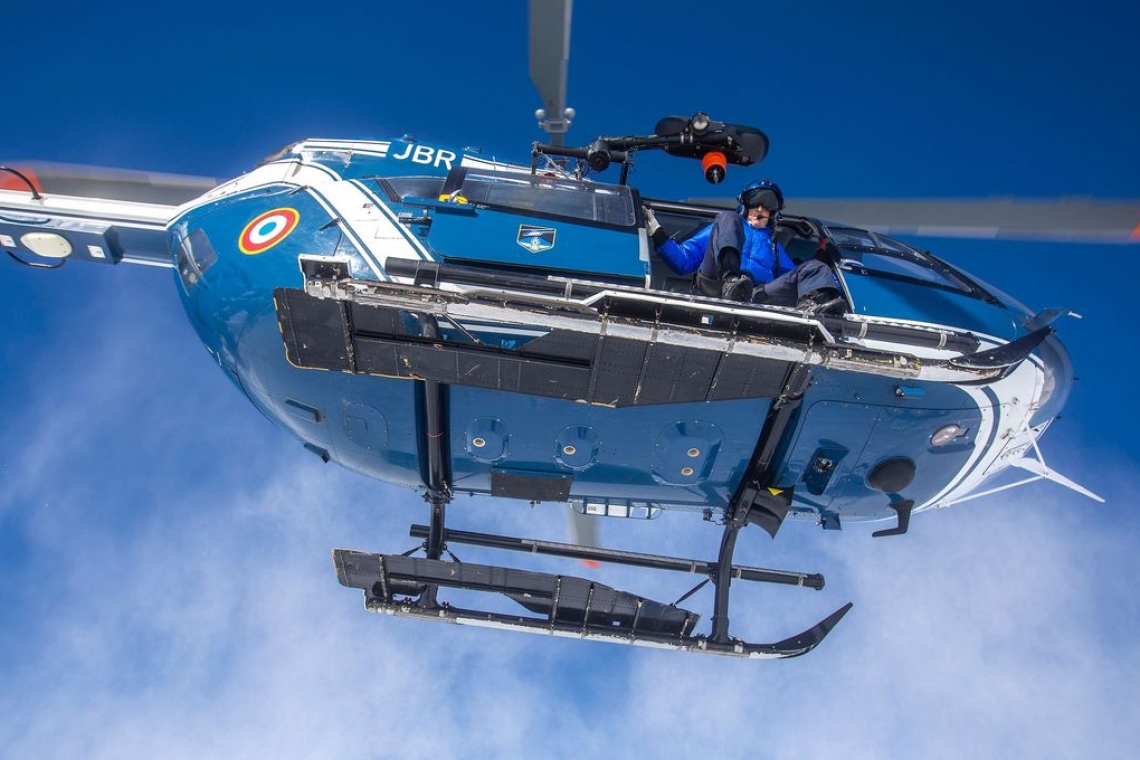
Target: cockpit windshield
866	252
610	205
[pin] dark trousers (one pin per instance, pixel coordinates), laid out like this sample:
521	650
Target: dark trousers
722	258
790	287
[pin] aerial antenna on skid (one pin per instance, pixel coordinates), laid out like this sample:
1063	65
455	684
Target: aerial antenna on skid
549	63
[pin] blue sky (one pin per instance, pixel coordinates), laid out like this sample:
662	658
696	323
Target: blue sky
164	572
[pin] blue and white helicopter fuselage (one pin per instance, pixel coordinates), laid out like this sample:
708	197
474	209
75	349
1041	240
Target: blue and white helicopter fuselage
631	459
566	362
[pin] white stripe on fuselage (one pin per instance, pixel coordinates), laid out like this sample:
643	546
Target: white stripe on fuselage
352	216
394	223
1017	397
366	222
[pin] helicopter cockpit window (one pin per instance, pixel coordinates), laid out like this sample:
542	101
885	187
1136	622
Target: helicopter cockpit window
856	238
400	188
610	205
866	252
196	254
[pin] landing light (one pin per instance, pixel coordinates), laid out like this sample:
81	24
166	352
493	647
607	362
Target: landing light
46	244
946	434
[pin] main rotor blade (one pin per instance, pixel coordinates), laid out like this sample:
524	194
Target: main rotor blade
583	532
1059	220
550	61
90	213
1046	220
104	183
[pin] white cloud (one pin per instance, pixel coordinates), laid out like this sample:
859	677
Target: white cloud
175	598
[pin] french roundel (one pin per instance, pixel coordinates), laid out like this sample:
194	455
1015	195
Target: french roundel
268	230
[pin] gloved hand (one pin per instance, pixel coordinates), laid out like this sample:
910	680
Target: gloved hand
656	232
737	287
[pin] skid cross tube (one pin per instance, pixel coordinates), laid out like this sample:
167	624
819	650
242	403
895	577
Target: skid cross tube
617	557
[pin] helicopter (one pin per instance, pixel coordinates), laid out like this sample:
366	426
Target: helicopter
434	319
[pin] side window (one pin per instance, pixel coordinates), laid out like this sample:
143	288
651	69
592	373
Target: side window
609	205
400	188
869	253
892	264
196	254
681	225
801	249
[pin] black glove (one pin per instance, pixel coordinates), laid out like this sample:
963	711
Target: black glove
737	287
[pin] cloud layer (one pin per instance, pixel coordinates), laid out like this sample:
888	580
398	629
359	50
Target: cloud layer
168	592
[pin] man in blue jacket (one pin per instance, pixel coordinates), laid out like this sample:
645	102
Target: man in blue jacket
737	258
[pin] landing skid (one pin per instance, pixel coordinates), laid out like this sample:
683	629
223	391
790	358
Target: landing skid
563	605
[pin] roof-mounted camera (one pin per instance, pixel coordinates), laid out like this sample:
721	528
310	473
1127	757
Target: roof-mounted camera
715	143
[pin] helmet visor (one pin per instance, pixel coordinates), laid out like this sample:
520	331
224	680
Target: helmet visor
761	197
